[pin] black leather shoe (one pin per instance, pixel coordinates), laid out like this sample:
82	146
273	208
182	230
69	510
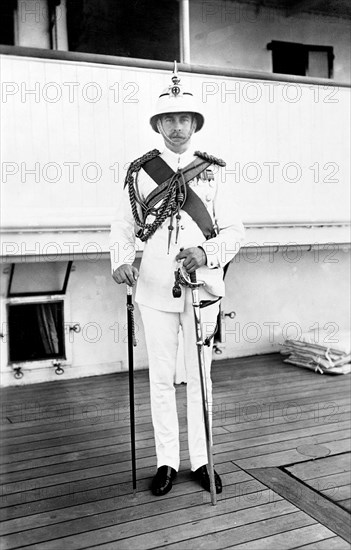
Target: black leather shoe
201	474
162	482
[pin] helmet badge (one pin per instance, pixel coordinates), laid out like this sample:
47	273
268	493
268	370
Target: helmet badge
175	89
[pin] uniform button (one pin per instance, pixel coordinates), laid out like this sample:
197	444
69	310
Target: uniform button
208	198
182	227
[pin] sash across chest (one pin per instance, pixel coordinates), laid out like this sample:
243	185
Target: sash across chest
162	174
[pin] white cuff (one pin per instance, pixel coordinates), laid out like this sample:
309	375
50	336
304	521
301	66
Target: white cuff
212	253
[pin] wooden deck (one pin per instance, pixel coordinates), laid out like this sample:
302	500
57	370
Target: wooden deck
282	444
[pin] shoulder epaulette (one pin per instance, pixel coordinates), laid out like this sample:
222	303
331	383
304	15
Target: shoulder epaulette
138	163
135	165
210	158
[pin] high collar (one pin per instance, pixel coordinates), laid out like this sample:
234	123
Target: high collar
177	160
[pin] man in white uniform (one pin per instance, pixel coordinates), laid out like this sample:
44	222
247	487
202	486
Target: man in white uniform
185	216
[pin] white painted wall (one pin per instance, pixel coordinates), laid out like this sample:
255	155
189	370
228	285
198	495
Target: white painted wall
235	35
286	293
72	128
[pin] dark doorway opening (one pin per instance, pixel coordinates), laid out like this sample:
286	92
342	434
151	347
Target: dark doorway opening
7	23
36	331
147	29
302	59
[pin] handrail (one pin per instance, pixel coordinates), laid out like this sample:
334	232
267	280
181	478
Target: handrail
82	57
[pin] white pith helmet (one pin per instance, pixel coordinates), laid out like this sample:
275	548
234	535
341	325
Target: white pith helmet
175	100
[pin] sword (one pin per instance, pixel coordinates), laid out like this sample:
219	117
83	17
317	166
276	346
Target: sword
204	390
131	343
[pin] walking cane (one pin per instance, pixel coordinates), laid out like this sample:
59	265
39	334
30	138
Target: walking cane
204	391
131	343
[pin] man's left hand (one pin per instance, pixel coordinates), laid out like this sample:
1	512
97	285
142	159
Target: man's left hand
194	258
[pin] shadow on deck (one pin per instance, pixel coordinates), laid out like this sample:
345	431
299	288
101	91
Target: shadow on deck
281	444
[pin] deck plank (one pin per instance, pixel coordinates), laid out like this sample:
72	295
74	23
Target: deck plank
225	419
65	462
321	466
324	511
284	541
187	495
139	521
334	543
155	536
249	532
145	447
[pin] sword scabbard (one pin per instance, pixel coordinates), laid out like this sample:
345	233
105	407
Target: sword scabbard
204	390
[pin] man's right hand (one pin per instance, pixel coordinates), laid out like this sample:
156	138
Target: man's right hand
126	273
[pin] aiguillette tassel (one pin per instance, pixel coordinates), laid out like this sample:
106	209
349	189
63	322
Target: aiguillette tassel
178	216
170	230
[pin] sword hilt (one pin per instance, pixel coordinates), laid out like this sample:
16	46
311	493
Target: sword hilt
188	279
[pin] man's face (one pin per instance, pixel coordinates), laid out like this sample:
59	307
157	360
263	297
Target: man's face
177	125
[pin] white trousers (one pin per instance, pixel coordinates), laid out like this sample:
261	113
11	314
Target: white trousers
161	333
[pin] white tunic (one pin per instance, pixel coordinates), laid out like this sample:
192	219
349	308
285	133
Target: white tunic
156	277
